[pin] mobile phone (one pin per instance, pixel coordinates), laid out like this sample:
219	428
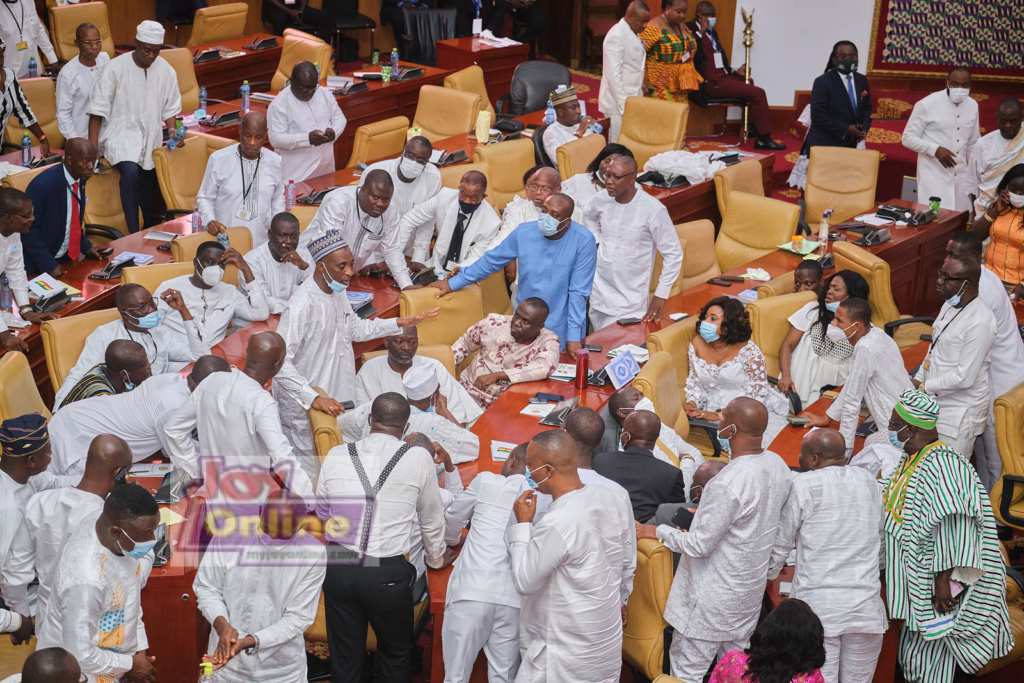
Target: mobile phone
798	421
348	405
550	398
593	347
955	587
721	283
106	252
534	399
731	278
629	321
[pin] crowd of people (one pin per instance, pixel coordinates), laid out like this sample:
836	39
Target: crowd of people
542	578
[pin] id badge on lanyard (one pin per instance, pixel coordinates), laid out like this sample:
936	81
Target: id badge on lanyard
719	62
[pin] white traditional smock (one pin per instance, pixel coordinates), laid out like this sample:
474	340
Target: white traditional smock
817	361
134	103
13	499
19	23
623	74
937	122
376	377
992	157
212	309
319	329
12	264
277	280
270	589
460	443
232	184
289	123
74	88
557	135
442	210
406	195
568	567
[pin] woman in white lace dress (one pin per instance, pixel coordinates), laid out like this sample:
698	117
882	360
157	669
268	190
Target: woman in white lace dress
809	359
725	364
583	186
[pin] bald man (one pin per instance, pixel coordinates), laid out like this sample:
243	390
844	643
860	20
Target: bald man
238	423
833	515
995	154
125	366
703	474
74	82
57	236
51	665
724	558
624	59
669	448
50	519
569	567
243	185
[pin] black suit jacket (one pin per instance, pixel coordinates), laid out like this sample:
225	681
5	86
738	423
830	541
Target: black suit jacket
49	194
649	481
832	112
700	59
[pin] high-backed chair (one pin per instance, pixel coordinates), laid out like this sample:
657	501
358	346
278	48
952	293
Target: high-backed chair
220	22
742	177
752	227
20	395
643	639
657	380
326	432
439	352
471	80
180	171
64	22
659	263
98	233
783	284
64	339
183	249
152	276
699	263
443	113
575	155
41	94
767	318
494	294
459	311
304	214
507	163
452	175
905	330
532	83
378	140
103	201
1008	492
840	179
651	126
181	59
300	47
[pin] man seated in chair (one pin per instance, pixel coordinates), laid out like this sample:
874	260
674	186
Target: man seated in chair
284	14
393	12
276	264
242	185
385	374
213	304
808	277
125	366
166	349
512	349
528	19
669	444
569	123
58	209
465	226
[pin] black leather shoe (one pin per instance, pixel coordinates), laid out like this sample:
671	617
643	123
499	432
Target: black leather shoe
768	143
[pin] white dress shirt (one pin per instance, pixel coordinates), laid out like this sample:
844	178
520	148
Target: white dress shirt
277	280
13	499
623	75
134	103
443	211
992	157
290	121
19	23
166	351
628	237
239	425
376	377
74	87
582	188
212	309
406	195
410	492
461	444
227	189
833	515
136	416
937	122
557	135
12	263
364	234
1007	367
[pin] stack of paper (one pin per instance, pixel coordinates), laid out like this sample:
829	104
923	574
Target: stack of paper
748	295
45	285
140	259
500	450
12	321
639	354
565	372
262	97
537	409
357	299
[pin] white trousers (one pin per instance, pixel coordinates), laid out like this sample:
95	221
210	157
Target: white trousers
851	657
599	320
961	437
614	126
469	626
690	658
986	455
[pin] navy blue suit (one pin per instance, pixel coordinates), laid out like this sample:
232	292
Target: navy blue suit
49	194
832	112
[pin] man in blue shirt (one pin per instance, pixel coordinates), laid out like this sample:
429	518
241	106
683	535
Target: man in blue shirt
557	259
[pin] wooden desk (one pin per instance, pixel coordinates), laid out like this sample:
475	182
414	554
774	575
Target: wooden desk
223	77
37	151
498	63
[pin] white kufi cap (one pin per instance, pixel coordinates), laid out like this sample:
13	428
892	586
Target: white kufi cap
420	381
150	32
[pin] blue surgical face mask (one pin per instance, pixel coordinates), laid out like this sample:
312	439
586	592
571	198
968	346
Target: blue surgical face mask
148	321
723	441
894	438
954	300
416	411
128	383
833	306
334	284
529	478
711	22
140	550
547	224
709	331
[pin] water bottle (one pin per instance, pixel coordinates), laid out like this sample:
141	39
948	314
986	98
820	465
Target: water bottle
222	237
596	128
394	61
179	135
26	150
202	98
197	220
549	114
245	97
33	70
289	196
6	293
823	231
206	672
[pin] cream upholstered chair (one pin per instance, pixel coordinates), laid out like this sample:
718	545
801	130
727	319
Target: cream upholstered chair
507	163
767	320
220	22
378	140
181	59
64	339
42	97
20	395
494	294
180	171
103	201
64	22
152	276
840	179
575	155
326	432
752	227
443	113
783	284
745	177
439	352
657	381
651	126
459	311
451	176
699	263
301	47
643	639
471	80
304	214
659	263
97	233
183	249
1008	492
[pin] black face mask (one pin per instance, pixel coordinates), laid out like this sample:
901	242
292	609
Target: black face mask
467	208
846	66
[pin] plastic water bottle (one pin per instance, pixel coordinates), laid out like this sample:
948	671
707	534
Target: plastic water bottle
33	69
596	128
202	98
206	672
289	195
179	135
197	220
222	237
26	150
823	231
549	114
6	293
394	61
245	97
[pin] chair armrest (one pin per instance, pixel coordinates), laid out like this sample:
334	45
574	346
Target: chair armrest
499	107
712	429
1015	576
890	327
170	214
1009	483
795	405
11	146
103	231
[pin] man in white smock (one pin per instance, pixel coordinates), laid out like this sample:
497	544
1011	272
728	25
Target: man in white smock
24	37
304	121
996	153
569	125
74	82
624	60
277	265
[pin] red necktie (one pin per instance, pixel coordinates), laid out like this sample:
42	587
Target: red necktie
75	228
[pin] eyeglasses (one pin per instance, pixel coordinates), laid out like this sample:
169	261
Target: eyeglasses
144	308
609	178
90	42
412	157
896	426
943	278
544	188
28	217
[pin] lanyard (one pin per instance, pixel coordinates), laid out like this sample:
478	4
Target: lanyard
21	33
255	175
939	335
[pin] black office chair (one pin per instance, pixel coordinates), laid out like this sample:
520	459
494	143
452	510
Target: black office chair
532	84
540	155
346	17
424	28
701	99
305	28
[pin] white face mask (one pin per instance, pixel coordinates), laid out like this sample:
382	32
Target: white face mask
212	275
410	168
644	404
1017	200
958	95
837	334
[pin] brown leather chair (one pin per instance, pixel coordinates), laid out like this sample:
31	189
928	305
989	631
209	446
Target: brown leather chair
443	113
471	80
768	320
301	47
64	22
451	176
699	262
41	94
742	177
753	227
459	311
1008	492
840	179
64	339
20	395
783	284
507	162
643	639
659	263
180	171
378	140
220	22
651	126
575	155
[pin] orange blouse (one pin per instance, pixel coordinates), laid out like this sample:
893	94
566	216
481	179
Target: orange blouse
664	69
1006	247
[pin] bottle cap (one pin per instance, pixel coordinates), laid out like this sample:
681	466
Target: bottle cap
245	82
206	668
798	238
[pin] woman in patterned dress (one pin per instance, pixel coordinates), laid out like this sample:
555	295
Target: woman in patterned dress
669	72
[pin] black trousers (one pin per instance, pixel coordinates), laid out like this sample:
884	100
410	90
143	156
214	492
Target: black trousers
381	596
396	17
280	20
527	23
